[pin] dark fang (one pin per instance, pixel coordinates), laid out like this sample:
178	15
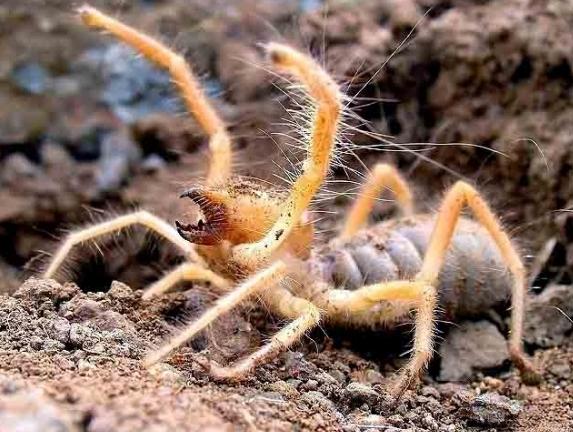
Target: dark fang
208	231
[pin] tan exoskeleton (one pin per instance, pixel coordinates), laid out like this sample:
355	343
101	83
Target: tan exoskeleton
253	239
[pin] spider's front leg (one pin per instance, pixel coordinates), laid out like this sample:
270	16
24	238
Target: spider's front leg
186	272
267	277
146	219
328	105
267	283
305	316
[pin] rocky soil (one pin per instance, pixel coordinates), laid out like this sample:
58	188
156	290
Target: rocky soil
70	362
87	130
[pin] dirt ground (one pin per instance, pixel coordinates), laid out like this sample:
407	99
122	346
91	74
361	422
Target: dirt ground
87	130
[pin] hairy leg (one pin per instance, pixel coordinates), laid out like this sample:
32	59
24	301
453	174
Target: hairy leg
186	272
424	299
459	196
324	92
268	277
305	316
193	96
144	218
423	292
382	176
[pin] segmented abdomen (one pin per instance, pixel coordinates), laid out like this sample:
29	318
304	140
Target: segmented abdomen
473	279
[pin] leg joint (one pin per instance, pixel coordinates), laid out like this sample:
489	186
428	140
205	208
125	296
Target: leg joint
176	63
383	169
313	313
464	188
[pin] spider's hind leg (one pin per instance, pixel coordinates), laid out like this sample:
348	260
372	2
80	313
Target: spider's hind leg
460	195
381	176
422	290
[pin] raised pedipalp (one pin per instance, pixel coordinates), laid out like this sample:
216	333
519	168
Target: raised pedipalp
326	112
182	75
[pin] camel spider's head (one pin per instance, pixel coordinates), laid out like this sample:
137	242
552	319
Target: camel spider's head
240	211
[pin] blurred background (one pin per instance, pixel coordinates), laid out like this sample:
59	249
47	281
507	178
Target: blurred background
446	89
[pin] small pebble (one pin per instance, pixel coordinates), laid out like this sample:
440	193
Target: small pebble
491	409
373	421
296	383
84	365
430	391
310	385
31	77
166	374
338	376
17	166
284	388
59	329
153	163
429	422
317	398
360	393
119	291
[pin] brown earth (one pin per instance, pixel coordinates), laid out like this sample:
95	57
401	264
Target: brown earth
494	74
70	360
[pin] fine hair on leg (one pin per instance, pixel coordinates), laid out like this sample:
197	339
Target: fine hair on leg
327	99
144	218
381	176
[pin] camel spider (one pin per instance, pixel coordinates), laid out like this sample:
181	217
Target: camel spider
252	239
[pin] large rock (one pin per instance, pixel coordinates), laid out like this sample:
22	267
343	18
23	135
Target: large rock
471	346
548	317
